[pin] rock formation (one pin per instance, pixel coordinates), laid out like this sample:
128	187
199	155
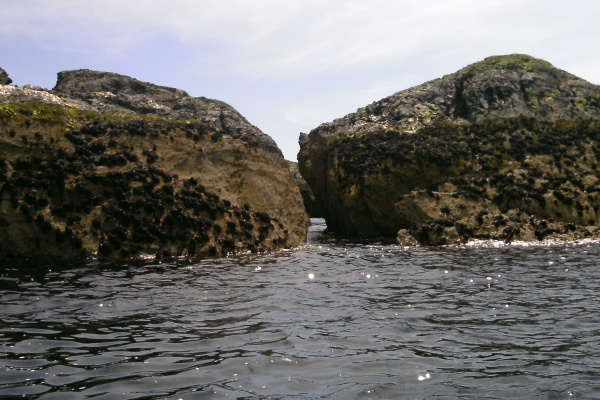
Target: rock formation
4	78
115	93
506	148
312	206
107	166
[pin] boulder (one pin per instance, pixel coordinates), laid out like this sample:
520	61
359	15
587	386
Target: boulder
505	149
87	171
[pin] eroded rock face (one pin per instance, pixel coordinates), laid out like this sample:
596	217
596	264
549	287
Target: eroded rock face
312	206
4	78
503	149
80	177
110	92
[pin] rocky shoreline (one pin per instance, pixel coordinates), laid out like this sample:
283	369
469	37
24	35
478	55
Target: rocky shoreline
106	166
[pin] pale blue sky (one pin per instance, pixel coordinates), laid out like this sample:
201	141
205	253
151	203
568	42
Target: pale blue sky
289	65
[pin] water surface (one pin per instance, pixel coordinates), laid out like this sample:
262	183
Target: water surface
334	320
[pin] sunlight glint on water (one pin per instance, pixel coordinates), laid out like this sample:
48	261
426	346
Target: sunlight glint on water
336	319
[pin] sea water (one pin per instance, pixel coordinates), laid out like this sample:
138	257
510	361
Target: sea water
335	319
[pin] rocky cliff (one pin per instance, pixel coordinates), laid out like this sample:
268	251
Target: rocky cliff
111	167
312	206
503	149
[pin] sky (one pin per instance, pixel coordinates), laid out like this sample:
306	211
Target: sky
290	65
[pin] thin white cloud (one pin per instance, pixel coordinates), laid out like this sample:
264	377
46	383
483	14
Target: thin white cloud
296	38
319	59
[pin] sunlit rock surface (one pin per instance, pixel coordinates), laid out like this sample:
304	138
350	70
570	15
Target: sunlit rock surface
111	167
506	149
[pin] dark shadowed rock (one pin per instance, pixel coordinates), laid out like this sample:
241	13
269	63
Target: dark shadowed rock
312	206
503	149
4	78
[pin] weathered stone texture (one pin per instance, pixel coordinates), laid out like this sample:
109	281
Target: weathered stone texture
125	169
503	149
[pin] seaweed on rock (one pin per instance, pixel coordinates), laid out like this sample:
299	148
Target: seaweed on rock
104	185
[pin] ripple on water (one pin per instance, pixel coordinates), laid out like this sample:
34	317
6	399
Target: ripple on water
335	319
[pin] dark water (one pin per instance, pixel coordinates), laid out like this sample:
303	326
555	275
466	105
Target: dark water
376	321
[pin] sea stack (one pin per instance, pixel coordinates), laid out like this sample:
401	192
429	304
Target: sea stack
504	149
107	166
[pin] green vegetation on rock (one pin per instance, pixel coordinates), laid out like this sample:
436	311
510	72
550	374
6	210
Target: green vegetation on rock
513	62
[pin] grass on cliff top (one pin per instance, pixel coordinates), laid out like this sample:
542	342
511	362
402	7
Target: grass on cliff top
512	62
71	118
515	62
